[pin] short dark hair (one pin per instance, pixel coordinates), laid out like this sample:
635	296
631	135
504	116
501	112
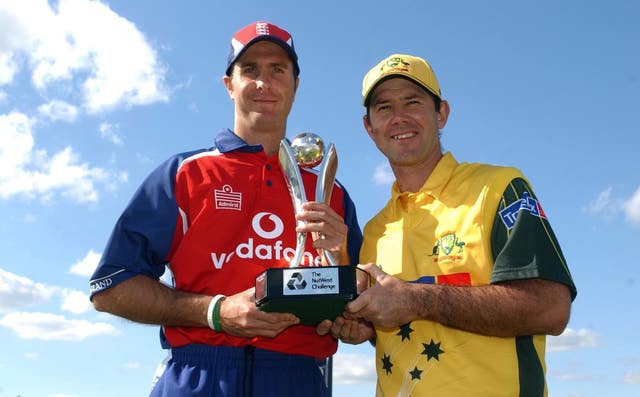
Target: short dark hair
436	100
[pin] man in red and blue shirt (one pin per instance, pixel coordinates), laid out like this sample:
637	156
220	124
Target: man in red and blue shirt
217	218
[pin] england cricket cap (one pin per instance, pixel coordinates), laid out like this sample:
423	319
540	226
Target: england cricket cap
258	31
414	68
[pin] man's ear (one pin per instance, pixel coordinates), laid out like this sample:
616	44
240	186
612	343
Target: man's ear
443	114
367	125
226	80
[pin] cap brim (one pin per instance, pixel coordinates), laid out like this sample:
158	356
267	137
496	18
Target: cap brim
384	77
285	46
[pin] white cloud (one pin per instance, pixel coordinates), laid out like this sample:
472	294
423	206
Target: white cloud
115	179
109	132
76	302
63	395
31	356
572	339
29	218
608	206
76	180
86	266
58	110
85	45
7	68
144	159
52	327
27	171
603	205
574	377
383	174
131	365
353	368
631	208
632	378
19	292
16	143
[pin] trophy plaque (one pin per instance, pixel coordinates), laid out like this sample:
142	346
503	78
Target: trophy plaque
313	294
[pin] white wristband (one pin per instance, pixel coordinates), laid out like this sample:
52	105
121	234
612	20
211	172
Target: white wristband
212	304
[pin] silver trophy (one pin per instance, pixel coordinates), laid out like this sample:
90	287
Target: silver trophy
307	150
311	293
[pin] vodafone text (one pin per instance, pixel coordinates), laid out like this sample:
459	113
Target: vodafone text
274	251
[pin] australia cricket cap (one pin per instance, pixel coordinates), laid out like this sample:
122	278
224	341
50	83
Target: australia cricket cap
258	31
413	68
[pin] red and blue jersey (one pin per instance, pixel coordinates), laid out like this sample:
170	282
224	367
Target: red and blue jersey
219	217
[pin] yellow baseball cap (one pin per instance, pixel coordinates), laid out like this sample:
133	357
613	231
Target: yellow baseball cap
414	68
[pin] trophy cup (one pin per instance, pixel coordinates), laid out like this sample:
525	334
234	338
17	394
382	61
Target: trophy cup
313	294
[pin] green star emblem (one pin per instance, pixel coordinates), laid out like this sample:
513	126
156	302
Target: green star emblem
432	350
405	330
415	374
386	363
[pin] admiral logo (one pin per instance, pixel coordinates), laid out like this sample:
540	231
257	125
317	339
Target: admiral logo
227	199
509	215
270	227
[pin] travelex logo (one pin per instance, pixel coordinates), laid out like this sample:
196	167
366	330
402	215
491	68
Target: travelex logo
509	215
270	227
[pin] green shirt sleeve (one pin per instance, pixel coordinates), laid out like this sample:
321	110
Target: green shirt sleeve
523	243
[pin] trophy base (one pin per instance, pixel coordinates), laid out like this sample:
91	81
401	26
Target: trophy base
312	294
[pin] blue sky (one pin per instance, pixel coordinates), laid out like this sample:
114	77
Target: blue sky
94	94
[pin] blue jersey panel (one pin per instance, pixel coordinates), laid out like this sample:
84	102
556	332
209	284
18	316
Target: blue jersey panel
142	236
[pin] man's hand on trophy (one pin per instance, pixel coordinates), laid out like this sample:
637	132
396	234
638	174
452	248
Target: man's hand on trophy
352	332
355	330
239	316
328	229
363	280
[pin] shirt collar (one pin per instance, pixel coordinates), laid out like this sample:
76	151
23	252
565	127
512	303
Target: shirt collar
435	183
227	141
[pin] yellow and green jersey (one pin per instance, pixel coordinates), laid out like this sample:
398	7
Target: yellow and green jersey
470	224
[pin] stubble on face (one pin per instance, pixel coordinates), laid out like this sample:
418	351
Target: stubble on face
403	124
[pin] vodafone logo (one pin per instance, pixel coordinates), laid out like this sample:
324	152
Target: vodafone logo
277	226
268	226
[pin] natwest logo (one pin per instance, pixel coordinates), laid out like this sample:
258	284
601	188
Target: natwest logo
270	227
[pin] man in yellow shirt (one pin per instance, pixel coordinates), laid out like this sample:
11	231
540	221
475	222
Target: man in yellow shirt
468	276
